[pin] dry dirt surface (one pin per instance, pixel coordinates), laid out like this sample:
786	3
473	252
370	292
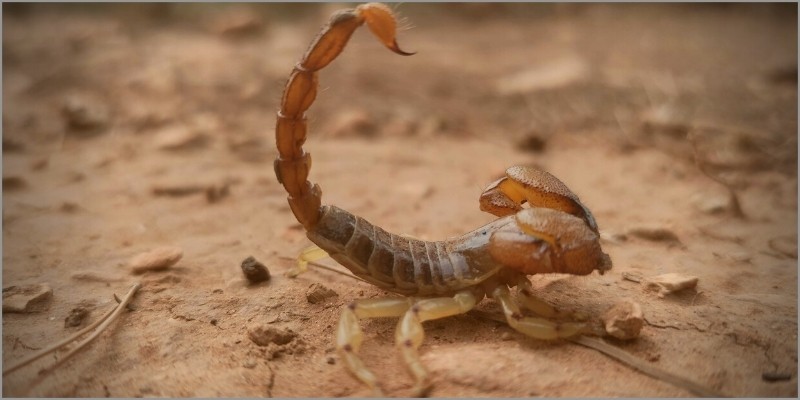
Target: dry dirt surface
131	127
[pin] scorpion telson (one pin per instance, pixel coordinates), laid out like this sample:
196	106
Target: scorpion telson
556	234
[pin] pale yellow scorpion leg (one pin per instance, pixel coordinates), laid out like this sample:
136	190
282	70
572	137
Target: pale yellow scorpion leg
409	334
538	328
349	335
528	300
309	254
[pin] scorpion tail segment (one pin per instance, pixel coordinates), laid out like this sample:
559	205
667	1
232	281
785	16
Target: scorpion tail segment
382	23
330	42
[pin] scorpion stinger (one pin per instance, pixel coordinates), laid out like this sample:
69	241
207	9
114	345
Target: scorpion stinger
556	234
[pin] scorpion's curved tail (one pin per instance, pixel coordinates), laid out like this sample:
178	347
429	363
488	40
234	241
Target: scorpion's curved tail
293	163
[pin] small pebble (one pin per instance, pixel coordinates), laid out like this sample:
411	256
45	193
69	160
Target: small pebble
174	138
264	335
624	320
27	299
654	234
318	293
249	364
13	183
158	259
76	317
330	360
254	271
776	376
85	114
671	283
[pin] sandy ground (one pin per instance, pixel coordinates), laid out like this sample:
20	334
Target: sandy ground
126	128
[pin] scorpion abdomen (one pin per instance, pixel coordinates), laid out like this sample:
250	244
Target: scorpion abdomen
396	263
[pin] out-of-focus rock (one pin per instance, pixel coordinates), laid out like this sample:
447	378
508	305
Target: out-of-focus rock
27	299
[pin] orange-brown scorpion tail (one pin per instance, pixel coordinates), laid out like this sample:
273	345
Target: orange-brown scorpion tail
293	163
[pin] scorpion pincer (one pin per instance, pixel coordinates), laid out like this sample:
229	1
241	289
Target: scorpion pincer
555	233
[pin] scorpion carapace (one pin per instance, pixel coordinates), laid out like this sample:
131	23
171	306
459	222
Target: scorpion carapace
554	233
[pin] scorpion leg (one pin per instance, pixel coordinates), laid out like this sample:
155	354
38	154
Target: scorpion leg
524	184
349	335
309	254
409	334
538	328
528	300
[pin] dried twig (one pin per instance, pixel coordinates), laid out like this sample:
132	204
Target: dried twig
105	320
627	359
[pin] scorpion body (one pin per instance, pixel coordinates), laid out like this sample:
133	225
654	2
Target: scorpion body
555	234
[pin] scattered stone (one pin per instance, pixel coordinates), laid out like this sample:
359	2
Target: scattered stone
713	205
13	183
264	335
630	276
613	237
671	283
40	164
330	360
178	137
249	363
68	207
254	271
776	376
12	146
666	120
318	293
85	115
27	299
655	234
783	76
76	317
215	193
624	320
533	142
353	123
177	190
552	75
158	259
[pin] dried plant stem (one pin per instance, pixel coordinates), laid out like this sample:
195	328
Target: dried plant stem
627	359
641	366
105	320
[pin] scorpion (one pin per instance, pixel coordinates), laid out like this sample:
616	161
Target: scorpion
542	227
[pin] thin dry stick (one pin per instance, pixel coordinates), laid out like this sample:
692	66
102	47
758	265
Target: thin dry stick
39	354
645	368
626	359
117	311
